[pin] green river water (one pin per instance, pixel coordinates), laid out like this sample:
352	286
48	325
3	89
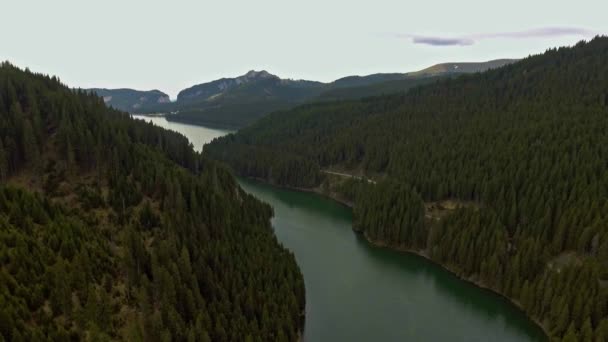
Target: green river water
358	292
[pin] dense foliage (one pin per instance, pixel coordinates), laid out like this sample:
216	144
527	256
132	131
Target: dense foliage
521	149
114	229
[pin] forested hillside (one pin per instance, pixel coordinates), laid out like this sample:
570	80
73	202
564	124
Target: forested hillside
236	102
115	229
241	103
131	100
499	176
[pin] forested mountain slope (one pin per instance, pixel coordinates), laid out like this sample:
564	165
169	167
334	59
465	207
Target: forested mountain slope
240	101
130	100
500	176
115	229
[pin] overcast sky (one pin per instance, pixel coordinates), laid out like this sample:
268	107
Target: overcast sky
170	45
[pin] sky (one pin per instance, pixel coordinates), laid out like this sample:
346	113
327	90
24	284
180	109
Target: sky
171	45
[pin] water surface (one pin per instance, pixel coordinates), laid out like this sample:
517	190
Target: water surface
198	135
358	292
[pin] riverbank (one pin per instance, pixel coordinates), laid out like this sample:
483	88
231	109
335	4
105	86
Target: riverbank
480	285
332	196
418	253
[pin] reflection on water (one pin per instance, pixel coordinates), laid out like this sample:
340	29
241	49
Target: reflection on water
198	135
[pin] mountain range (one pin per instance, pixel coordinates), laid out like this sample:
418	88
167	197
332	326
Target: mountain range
239	101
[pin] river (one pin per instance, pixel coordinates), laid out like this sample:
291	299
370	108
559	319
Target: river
198	135
358	292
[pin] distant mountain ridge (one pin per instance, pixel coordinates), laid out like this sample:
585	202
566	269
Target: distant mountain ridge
434	70
465	67
356	81
130	100
236	102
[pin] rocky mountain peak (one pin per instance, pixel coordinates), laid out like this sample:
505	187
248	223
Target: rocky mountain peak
262	74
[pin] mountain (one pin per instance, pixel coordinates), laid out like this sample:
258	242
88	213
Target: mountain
435	70
115	229
206	91
383	84
239	101
498	176
400	85
252	84
130	100
358	81
460	68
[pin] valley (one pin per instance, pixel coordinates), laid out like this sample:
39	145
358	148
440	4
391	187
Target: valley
311	171
358	292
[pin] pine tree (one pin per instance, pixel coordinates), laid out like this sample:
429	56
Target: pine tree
570	334
586	334
3	163
29	146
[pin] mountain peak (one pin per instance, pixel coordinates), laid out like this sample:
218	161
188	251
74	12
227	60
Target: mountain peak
262	74
210	90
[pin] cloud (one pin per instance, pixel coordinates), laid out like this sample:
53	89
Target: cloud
440	41
543	32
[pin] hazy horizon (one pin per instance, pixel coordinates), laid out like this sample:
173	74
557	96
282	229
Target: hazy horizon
170	46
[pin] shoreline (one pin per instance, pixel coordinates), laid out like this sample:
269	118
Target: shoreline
305	190
420	254
208	124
